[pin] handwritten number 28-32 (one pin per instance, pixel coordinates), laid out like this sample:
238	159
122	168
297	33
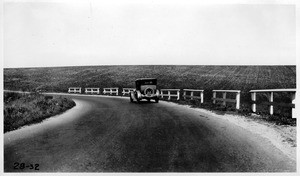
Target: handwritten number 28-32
23	166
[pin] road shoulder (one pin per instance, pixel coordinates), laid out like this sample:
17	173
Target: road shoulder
282	137
52	122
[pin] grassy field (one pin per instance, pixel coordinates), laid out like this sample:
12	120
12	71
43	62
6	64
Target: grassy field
24	109
244	78
200	77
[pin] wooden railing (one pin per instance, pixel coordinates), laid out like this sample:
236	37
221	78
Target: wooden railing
126	91
169	95
271	99
224	99
74	90
192	94
111	91
92	90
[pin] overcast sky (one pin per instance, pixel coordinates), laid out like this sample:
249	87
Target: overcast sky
66	33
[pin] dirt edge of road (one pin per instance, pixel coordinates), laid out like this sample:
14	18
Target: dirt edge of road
282	137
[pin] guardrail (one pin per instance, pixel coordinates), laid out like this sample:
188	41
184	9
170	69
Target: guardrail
169	95
92	90
224	99
192	95
126	91
111	91
74	90
271	98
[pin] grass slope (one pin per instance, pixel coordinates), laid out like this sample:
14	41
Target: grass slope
242	78
24	109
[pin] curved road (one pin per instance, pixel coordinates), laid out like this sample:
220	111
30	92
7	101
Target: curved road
109	134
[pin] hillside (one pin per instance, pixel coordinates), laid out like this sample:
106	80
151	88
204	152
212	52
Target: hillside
244	78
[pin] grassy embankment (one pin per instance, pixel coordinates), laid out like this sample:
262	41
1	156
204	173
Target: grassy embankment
281	116
208	78
25	109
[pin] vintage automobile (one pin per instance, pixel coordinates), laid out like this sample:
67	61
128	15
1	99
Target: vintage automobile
145	89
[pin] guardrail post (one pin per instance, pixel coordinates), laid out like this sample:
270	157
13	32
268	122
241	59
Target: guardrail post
169	94
117	91
238	97
293	98
184	94
224	97
202	96
178	95
253	98
192	94
214	96
271	97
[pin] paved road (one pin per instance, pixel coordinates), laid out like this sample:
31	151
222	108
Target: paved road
103	134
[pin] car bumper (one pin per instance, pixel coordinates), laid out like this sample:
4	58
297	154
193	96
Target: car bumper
149	97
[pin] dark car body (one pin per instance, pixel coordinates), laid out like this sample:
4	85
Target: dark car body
145	88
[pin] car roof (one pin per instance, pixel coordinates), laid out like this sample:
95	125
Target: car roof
145	79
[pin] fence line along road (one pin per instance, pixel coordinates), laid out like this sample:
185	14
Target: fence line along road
271	99
169	95
224	99
126	91
114	90
74	90
92	90
192	95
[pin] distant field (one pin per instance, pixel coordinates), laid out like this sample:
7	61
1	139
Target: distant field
244	78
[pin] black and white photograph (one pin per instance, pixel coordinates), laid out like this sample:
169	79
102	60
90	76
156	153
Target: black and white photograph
149	86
